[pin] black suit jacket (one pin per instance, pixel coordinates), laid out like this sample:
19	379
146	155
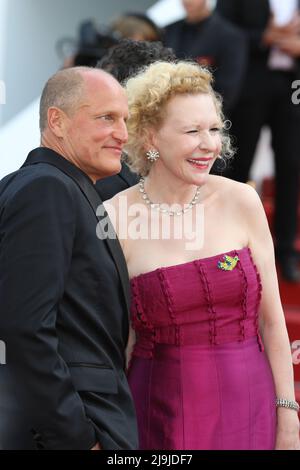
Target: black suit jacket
109	187
214	42
64	297
252	17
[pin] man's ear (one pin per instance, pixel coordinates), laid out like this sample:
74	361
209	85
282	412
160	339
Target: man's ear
57	120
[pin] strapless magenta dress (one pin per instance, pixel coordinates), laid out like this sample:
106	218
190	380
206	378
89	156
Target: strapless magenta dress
199	376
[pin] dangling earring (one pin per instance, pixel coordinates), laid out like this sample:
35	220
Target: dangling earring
152	155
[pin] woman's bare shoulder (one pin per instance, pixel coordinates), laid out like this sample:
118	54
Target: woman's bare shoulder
234	193
130	194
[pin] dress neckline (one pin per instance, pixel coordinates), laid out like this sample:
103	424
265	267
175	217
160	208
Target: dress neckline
245	248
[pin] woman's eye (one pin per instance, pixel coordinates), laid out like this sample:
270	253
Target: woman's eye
214	130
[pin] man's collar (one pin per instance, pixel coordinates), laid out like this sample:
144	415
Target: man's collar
47	155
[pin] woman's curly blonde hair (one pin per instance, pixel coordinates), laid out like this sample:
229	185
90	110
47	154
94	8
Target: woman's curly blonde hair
148	93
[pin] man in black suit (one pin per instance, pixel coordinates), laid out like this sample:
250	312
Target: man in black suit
266	99
214	42
64	292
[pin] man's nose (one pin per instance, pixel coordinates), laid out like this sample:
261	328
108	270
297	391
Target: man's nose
121	132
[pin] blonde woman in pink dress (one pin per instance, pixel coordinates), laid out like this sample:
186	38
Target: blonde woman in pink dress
211	363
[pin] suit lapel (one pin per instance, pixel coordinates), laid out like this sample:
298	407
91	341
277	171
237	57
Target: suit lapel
45	155
127	176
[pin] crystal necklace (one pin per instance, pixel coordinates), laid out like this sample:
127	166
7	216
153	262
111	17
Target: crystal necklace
160	208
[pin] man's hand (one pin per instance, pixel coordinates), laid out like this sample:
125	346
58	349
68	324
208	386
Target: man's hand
274	34
290	46
96	447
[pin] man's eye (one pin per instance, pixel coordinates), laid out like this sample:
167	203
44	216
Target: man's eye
107	117
192	131
215	129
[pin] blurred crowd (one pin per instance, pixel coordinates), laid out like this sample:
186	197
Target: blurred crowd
253	49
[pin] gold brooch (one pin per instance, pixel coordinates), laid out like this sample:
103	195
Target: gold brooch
229	264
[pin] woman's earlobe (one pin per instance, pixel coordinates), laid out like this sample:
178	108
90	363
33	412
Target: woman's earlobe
152	155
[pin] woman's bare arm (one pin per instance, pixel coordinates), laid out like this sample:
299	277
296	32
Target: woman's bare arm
272	321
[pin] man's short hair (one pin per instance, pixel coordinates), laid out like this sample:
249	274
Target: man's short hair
64	91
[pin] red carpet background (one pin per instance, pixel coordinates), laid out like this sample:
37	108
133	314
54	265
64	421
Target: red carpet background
290	293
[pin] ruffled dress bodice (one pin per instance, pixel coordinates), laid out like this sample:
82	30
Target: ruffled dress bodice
198	374
196	303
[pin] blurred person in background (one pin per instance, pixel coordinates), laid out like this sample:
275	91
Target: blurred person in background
273	31
94	41
129	56
92	44
137	26
214	42
123	61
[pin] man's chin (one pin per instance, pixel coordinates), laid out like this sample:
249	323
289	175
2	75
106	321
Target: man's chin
116	169
110	171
